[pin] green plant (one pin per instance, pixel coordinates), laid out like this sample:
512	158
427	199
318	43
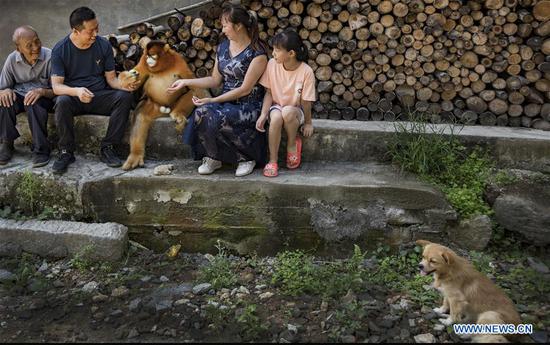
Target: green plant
294	271
82	260
437	156
421	147
348	319
250	324
220	272
399	272
28	190
503	178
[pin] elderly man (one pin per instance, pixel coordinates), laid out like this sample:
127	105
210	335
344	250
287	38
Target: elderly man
84	78
24	86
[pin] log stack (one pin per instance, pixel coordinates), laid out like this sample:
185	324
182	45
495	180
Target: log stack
474	62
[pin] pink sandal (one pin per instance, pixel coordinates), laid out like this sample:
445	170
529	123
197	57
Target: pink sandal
271	170
293	159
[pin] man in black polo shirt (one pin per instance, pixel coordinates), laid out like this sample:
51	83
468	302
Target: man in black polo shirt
84	78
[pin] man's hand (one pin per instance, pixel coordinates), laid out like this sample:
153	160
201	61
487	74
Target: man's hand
32	96
307	130
7	97
84	95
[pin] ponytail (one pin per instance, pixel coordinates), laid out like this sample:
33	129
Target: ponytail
237	14
290	40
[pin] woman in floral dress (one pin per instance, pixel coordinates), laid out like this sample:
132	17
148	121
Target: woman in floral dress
223	129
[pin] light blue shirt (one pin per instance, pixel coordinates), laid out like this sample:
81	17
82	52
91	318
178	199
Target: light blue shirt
21	77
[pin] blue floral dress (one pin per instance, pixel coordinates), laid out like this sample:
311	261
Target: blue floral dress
227	131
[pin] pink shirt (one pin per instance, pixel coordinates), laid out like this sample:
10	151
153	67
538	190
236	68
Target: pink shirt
289	87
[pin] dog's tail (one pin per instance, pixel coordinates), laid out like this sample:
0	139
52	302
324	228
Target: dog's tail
490	317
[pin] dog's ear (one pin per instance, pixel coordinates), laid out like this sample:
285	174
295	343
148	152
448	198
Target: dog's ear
423	243
447	256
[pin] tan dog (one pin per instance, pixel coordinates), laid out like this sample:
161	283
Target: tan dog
468	295
159	67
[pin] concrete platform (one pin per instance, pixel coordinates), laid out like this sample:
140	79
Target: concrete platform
521	148
325	206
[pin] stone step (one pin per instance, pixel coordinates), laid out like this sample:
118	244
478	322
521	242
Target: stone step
325	206
356	141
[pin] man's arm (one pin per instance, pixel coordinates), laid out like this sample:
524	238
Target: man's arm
114	82
60	89
7	82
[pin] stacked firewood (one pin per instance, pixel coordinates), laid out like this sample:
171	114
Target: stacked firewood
473	62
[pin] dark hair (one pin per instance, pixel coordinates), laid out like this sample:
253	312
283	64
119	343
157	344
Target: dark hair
79	16
290	40
237	14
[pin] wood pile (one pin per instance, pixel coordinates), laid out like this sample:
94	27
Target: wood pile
473	62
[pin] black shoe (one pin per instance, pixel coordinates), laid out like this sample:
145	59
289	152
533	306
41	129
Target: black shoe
109	157
61	164
40	159
6	151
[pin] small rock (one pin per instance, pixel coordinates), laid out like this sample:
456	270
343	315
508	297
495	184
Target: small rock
291	328
404	304
94	309
424	338
349	298
165	169
266	295
412	323
538	266
135	305
324	306
209	257
348	339
43	267
90	287
163	305
201	288
181	302
117	312
246	277
431	315
146	279
164	279
439	327
100	298
540	337
260	287
133	333
425	309
120	292
243	290
58	284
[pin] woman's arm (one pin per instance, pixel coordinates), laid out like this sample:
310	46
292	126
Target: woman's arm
215	80
253	74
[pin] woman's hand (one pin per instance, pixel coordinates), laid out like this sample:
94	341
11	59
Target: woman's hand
177	85
260	123
307	130
202	101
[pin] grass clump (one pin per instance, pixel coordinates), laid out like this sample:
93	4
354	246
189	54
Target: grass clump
220	272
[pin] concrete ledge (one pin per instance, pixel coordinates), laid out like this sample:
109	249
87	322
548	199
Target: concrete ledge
61	238
358	141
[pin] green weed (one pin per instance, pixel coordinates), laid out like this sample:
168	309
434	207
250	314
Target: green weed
220	272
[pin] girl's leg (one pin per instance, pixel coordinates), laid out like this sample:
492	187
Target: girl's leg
291	123
275	128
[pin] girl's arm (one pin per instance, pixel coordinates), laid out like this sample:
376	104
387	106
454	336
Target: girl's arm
268	102
253	74
307	129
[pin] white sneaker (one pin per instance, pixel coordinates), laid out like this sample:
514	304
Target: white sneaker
245	168
209	165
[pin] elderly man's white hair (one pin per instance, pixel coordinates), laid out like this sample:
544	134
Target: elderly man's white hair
25	30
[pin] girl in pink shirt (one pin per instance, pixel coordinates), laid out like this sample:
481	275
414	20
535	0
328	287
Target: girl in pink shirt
290	91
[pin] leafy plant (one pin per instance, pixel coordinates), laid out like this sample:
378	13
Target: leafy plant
220	272
434	153
250	324
29	189
82	260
